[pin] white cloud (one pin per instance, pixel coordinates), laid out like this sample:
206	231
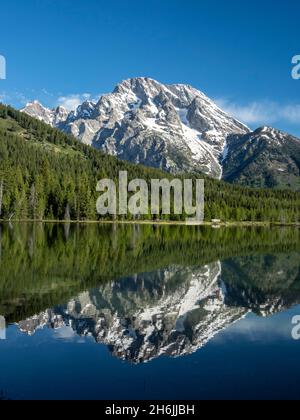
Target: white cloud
71	102
13	98
65	333
262	112
292	113
258	329
48	99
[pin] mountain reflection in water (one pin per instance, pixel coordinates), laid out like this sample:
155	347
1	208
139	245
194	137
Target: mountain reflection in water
189	282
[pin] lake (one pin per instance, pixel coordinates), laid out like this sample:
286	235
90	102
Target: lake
148	312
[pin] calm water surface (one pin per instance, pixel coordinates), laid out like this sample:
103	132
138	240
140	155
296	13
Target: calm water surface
143	312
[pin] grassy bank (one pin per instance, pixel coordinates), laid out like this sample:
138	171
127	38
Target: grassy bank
155	223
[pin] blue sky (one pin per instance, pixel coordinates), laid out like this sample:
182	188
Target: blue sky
237	52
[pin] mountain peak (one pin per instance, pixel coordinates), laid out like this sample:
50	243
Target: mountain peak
60	108
265	129
50	116
272	132
34	104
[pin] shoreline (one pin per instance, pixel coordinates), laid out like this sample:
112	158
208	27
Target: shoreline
153	223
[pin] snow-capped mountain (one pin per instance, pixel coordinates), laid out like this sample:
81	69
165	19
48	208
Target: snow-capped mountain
178	129
172	127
